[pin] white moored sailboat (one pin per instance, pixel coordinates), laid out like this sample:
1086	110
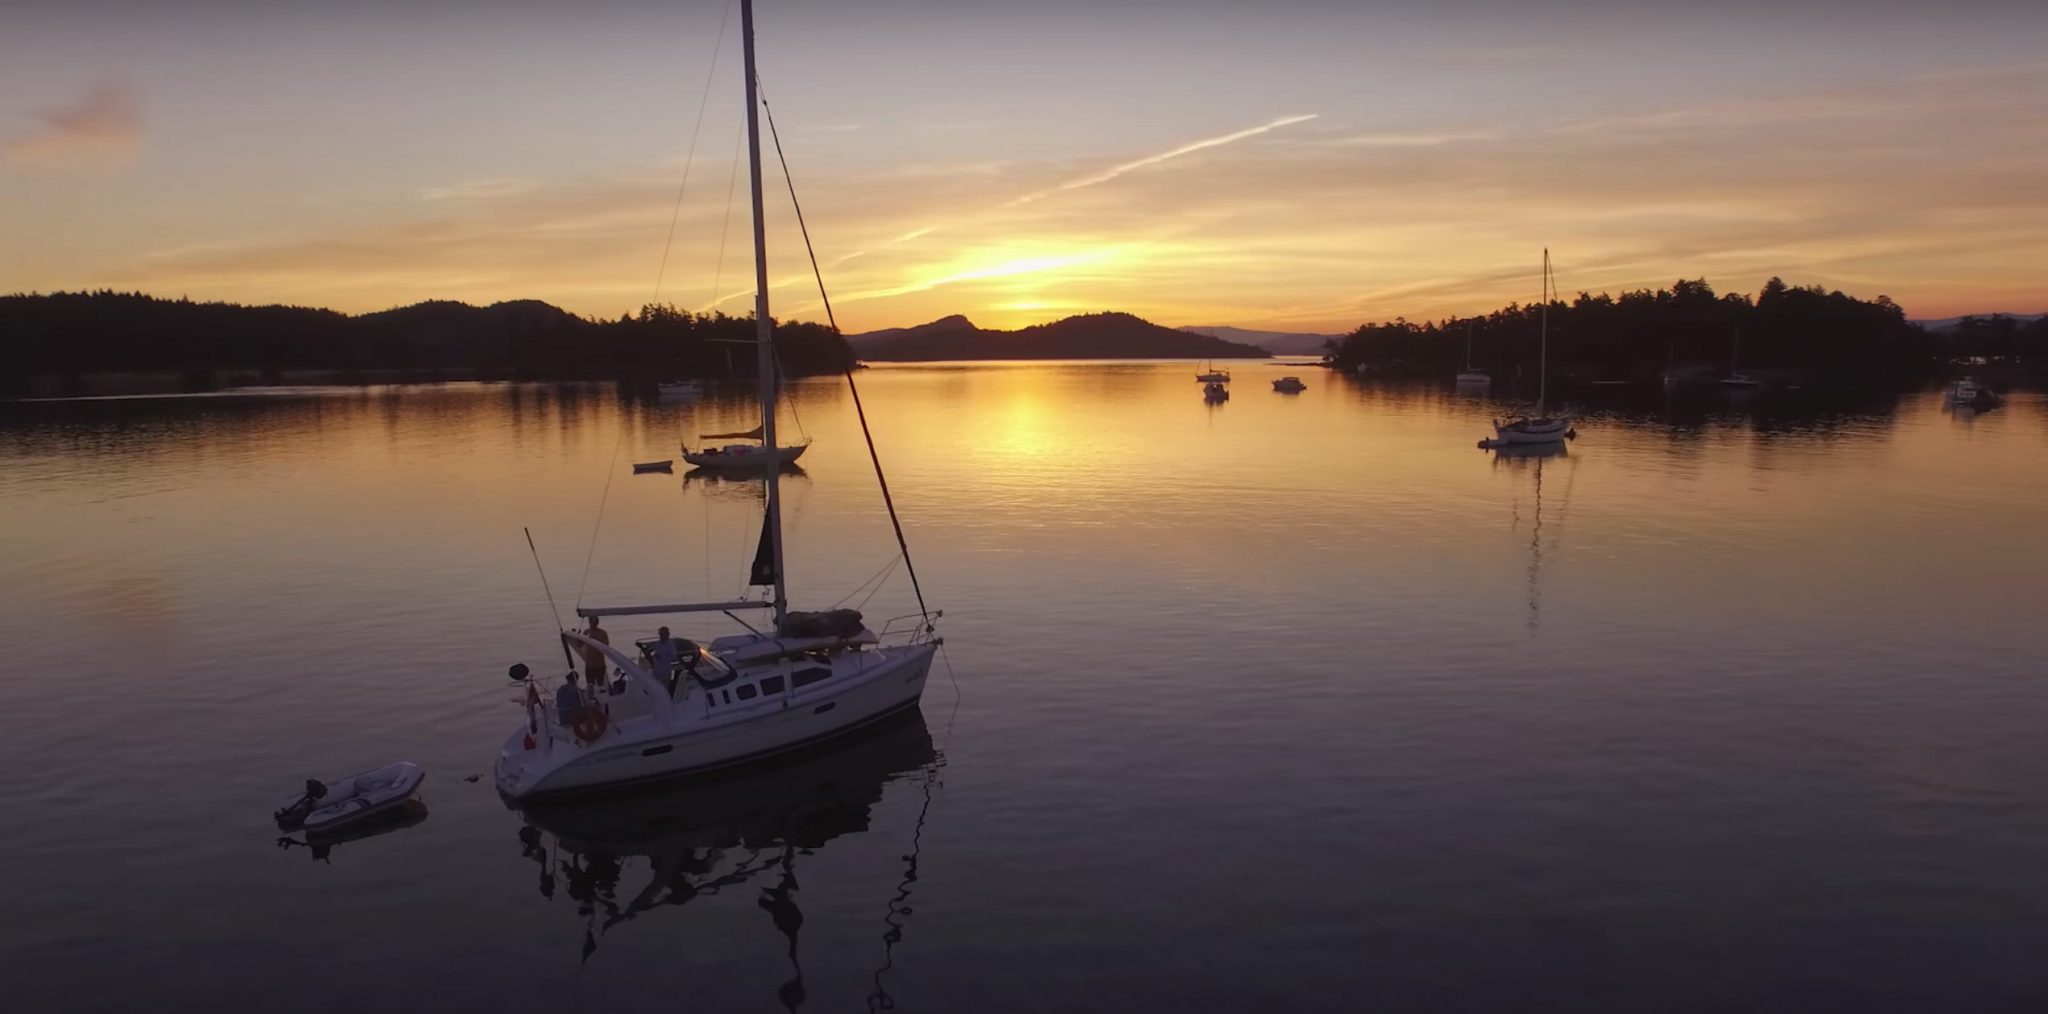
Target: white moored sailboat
806	679
1472	377
1537	427
751	457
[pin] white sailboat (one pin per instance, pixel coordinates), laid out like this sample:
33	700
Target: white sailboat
805	679
1736	378
1537	427
1211	375
745	457
1472	377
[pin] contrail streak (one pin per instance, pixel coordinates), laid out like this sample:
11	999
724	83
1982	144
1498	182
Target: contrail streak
1115	171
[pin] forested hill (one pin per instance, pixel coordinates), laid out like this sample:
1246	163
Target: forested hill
1803	329
1087	336
73	333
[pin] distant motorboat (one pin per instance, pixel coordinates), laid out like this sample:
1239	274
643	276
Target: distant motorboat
1215	391
1289	385
679	390
640	467
1967	392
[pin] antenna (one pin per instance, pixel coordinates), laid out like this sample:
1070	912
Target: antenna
554	612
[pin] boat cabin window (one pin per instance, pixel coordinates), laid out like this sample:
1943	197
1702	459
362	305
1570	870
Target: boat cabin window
806	677
746	691
772	685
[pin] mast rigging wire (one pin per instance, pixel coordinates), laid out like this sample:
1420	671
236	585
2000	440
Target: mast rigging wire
851	386
689	160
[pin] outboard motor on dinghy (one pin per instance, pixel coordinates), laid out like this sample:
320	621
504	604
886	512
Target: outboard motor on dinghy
294	815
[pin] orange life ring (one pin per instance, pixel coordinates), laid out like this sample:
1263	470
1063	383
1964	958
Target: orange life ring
590	725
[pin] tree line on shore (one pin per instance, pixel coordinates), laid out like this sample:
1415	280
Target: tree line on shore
1809	331
63	334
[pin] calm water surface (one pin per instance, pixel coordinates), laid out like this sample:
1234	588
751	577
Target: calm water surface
1292	703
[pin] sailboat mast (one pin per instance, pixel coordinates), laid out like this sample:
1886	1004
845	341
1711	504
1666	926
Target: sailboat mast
1543	353
764	328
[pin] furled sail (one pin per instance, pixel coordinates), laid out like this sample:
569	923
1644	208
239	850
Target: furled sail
752	434
763	571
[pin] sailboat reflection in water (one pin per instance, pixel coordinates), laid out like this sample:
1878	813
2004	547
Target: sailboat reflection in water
1531	457
701	839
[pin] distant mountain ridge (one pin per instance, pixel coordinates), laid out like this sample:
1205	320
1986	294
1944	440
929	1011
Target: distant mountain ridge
70	334
1086	336
1280	343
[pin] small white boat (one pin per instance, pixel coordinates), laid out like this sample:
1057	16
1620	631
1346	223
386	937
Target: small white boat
642	467
1739	379
331	805
1289	385
1215	391
679	390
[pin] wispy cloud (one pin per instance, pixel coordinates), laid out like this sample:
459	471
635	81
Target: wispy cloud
100	129
481	190
1165	156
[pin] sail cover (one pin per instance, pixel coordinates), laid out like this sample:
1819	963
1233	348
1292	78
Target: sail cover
763	571
752	434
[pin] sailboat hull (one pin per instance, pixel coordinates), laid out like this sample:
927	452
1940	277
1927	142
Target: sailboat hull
1533	431
886	683
737	456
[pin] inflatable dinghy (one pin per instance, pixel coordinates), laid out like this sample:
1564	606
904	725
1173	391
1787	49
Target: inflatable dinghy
327	806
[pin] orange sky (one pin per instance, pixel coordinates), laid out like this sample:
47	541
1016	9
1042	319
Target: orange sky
1352	166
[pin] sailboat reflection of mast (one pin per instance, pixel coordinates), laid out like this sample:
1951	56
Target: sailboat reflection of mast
1536	555
880	999
1512	457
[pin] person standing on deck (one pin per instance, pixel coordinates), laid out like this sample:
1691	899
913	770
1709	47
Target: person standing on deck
593	656
666	654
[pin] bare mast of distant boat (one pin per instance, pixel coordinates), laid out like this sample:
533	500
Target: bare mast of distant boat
1471	376
1538	428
